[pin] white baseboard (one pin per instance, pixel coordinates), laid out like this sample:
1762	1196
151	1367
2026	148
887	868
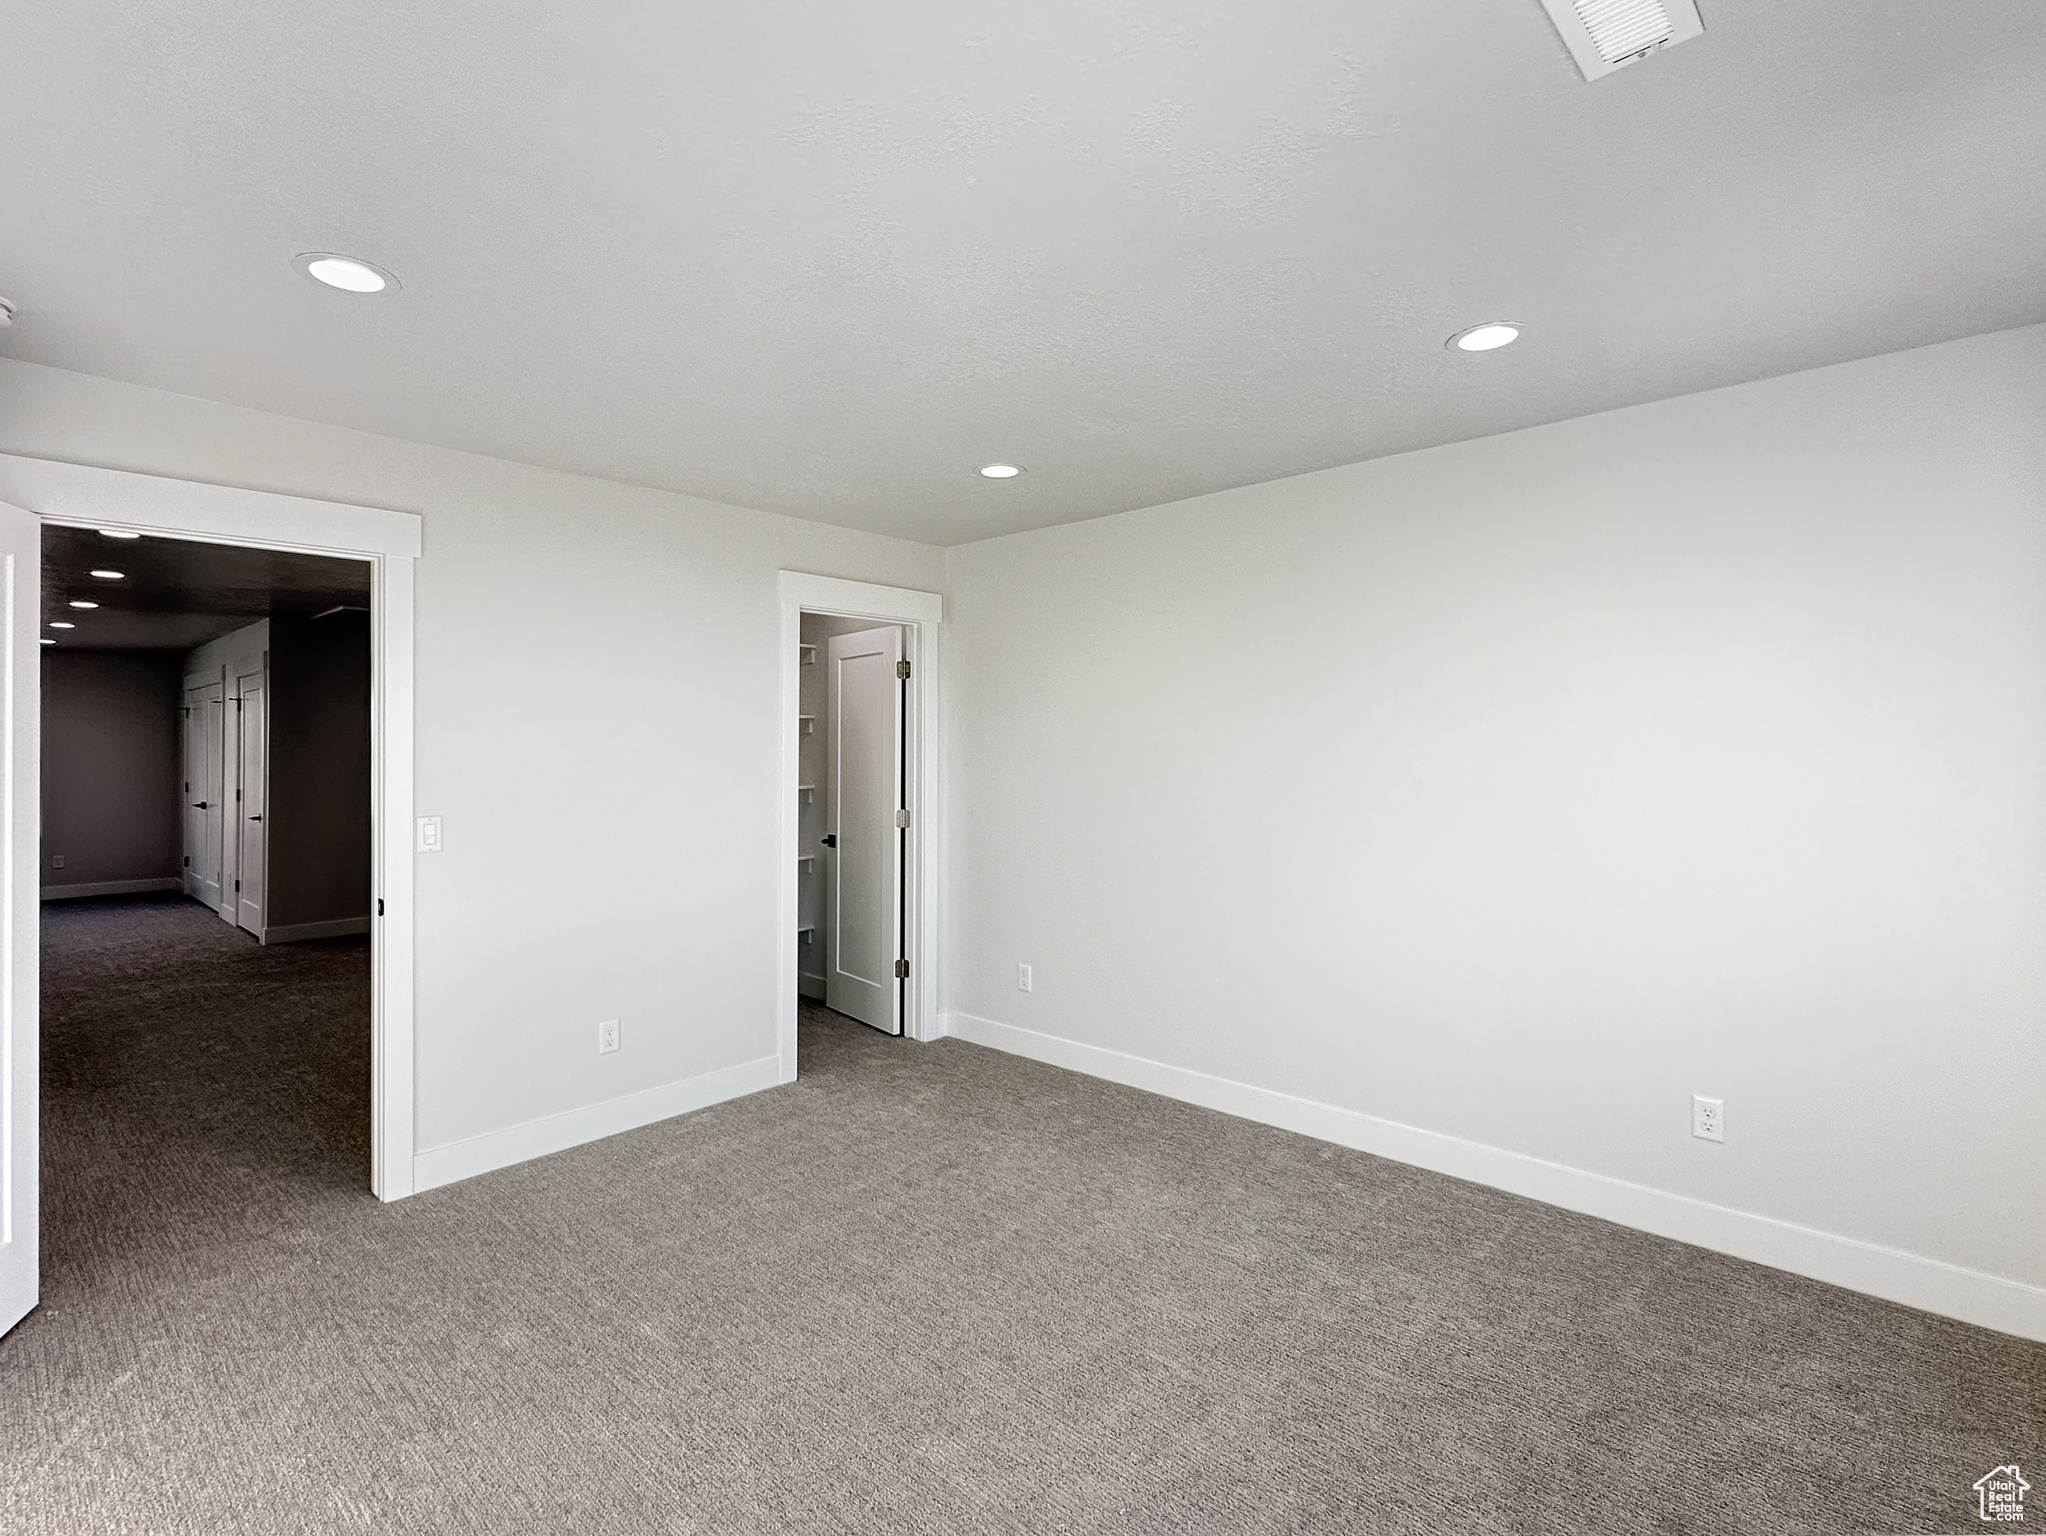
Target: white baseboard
593	1122
332	928
1989	1301
111	888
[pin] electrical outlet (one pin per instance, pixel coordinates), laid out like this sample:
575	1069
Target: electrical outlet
1022	978
1708	1118
607	1037
56	861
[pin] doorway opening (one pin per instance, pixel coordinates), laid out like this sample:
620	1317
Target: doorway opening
36	494
853	809
860	831
205	887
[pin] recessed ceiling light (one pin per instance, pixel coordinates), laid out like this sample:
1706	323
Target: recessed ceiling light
110	575
48	641
79	602
347	273
118	533
62	624
1001	471
1489	337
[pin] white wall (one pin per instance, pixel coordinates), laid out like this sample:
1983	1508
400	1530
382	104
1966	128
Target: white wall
1518	789
598	708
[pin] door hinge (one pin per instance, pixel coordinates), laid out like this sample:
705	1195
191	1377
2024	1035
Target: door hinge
902	818
188	861
380	906
902	669
902	970
237	885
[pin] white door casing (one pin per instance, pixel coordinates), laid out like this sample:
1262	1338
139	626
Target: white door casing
921	615
204	787
83	495
20	908
864	785
251	799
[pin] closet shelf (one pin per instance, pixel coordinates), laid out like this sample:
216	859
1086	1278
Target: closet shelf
808	655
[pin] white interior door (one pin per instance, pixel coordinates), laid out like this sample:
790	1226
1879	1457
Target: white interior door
20	831
251	864
205	787
864	784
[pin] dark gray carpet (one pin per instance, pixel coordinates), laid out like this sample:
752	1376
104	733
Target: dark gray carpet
926	1288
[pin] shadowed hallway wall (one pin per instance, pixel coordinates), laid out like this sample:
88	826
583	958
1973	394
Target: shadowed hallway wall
319	769
110	764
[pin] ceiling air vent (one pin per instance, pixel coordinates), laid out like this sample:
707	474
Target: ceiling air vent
1605	35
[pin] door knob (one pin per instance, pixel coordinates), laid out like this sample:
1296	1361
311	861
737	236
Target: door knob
200	806
255	818
830	839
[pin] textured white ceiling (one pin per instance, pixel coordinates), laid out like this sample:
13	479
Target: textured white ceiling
827	258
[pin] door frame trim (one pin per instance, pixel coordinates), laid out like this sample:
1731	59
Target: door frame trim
921	614
84	495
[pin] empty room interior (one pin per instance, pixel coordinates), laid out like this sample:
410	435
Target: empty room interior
979	768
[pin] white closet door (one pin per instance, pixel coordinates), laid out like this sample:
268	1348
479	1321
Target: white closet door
864	775
252	782
20	818
205	788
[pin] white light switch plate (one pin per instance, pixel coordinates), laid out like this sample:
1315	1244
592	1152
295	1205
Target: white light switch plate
429	835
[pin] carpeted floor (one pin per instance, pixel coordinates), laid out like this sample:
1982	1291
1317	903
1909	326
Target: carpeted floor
924	1289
